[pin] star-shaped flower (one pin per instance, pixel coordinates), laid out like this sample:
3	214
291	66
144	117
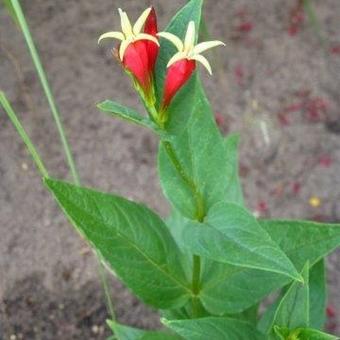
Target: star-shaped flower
187	48
130	34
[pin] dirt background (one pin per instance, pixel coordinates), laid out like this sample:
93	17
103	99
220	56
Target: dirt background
277	87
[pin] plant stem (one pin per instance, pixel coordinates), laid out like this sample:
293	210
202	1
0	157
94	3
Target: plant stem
198	197
104	281
196	272
26	139
196	278
45	85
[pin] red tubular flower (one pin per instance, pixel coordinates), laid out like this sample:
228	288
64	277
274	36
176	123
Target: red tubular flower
177	75
136	61
138	50
151	28
183	63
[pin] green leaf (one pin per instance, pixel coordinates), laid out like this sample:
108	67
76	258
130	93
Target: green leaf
190	187
232	235
317	295
132	239
231	289
128	333
303	240
125	113
302	334
293	309
214	328
178	26
234	192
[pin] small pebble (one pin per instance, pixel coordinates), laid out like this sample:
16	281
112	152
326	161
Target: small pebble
314	202
95	329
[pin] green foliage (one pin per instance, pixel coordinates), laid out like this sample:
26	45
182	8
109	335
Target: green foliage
128	333
118	110
303	240
234	192
293	309
191	188
317	295
229	226
208	267
132	239
283	333
214	328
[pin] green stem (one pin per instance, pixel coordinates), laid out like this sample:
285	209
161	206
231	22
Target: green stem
104	281
196	272
198	197
196	279
45	85
26	139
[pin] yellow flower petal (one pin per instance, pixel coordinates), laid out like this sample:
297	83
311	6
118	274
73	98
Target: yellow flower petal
144	36
137	27
123	46
112	35
201	47
125	23
172	38
204	61
189	40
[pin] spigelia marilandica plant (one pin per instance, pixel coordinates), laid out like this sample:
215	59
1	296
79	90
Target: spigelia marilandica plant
208	266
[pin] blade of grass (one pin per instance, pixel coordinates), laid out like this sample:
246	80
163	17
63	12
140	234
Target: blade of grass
4	102
46	87
26	139
20	17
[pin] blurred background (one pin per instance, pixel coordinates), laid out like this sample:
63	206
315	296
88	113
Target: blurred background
277	83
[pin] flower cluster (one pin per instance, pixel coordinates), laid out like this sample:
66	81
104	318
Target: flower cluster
138	51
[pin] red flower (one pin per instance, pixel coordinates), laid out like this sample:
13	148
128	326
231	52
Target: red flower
177	75
152	48
183	63
136	61
138	50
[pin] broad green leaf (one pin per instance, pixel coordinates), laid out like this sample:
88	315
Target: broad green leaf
234	192
132	239
317	295
190	187
230	234
129	333
293	309
303	240
317	300
266	321
231	289
214	328
302	334
178	26
126	113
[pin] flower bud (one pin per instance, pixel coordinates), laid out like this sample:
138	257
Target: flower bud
177	75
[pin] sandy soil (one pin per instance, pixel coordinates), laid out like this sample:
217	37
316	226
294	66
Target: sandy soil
279	91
